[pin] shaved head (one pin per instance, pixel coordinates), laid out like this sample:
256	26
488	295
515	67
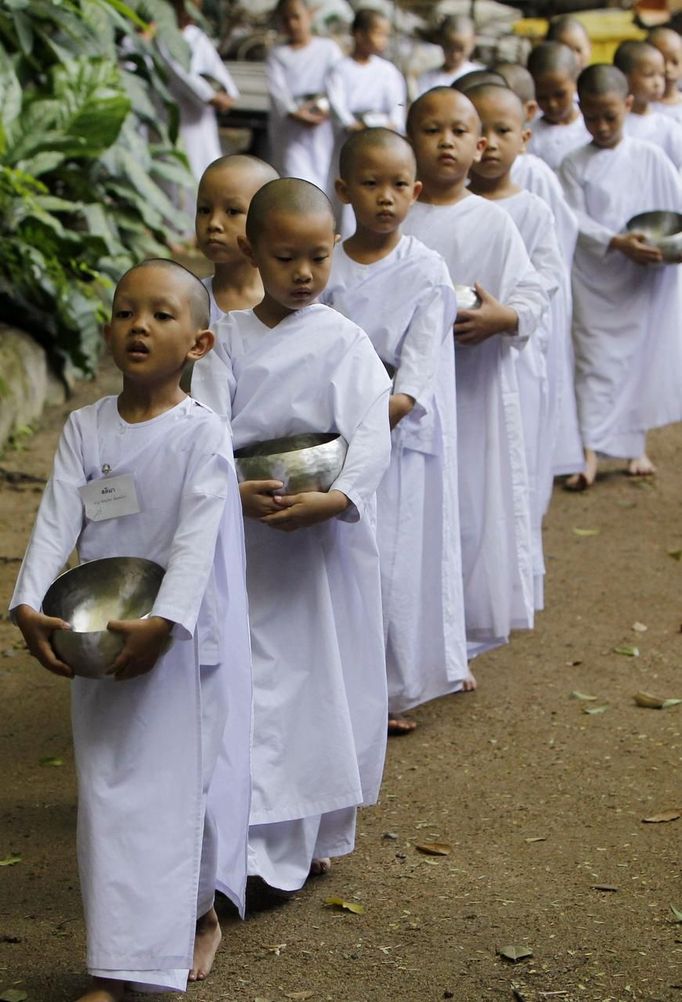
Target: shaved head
371	139
552	57
664	36
464	83
503	97
628	54
600	79
446	98
518	79
560	25
290	195
253	167
179	278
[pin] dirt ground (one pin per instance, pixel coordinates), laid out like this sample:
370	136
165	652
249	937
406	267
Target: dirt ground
540	802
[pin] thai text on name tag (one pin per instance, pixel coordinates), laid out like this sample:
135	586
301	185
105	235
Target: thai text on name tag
110	497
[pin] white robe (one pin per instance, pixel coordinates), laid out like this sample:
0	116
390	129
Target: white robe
146	749
626	318
354	89
315	594
441	77
406	304
661	130
535	223
673	111
216	313
481	244
298	150
533	174
553	142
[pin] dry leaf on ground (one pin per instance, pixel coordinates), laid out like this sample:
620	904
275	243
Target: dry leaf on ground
434	848
586	532
657	819
639	627
515	953
677	914
675	554
537	838
11	860
604	887
651	702
348	906
52	760
585	696
299	995
592	710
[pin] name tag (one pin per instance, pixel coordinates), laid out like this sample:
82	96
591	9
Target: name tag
110	497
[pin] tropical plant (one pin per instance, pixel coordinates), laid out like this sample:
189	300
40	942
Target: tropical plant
87	155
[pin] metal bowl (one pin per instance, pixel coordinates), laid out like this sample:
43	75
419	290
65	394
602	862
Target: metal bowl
662	229
467	297
302	462
90	595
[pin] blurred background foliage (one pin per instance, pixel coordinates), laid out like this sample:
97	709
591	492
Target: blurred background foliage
87	157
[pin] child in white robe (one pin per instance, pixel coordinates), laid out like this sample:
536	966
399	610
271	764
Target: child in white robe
626	311
399	291
481	247
456	36
502	120
299	127
146	740
644	68
225	192
669	44
560	129
312	562
365	90
571	32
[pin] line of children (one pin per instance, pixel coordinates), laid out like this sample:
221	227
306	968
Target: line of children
644	68
669	44
554	68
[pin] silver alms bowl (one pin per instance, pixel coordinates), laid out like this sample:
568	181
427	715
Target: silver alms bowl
662	229
87	597
302	462
467	297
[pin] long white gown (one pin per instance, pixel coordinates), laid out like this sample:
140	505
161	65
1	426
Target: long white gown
626	317
298	150
146	749
315	594
535	223
533	174
553	142
441	77
657	128
406	304
480	243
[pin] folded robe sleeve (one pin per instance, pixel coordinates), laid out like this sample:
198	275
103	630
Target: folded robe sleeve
422	345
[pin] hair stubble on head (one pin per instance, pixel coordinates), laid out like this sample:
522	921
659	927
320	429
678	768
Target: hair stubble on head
256	169
290	195
372	139
197	293
600	79
461	101
503	95
552	57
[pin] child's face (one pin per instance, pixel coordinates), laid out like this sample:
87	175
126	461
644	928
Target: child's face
294	257
604	116
555	94
223	201
670	47
647	77
446	138
295	21
457	47
502	128
381	187
373	42
579	41
152	331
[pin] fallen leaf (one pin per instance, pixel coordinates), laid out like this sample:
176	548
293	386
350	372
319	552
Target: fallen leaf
670	702
592	710
391	836
276	948
537	838
654	702
639	627
298	995
586	532
604	887
574	664
515	953
675	554
52	760
677	913
348	906
583	695
13	995
657	819
434	848
627	649
11	860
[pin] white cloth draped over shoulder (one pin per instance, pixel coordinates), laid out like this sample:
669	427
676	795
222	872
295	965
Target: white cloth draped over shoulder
146	749
315	594
480	243
626	317
533	174
406	304
553	142
293	74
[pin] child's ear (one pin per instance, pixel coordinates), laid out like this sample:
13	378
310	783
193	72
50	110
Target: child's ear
628	102
337	239
341	189
525	136
203	342
416	191
531	110
481	144
246	249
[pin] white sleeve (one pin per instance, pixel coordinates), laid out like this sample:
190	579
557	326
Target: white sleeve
213	66
398	101
421	348
58	523
594	237
338	99
184	84
278	88
547	259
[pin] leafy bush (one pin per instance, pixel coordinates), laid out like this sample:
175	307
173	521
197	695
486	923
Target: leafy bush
87	139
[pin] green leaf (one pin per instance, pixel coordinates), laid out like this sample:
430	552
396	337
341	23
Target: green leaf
13	995
627	650
52	760
349	906
667	703
677	913
586	532
11	860
675	554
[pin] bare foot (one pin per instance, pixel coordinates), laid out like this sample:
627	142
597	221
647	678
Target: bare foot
319	867
206	943
398	725
641	467
104	990
469	683
581	481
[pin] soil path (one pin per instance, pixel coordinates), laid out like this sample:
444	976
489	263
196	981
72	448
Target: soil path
540	802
